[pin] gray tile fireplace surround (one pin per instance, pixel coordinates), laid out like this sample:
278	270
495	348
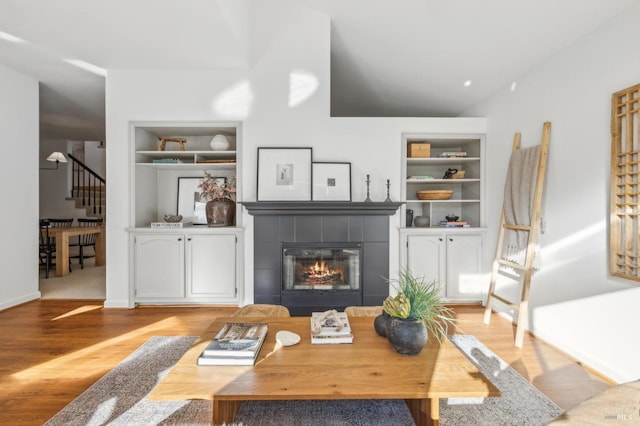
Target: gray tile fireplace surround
276	223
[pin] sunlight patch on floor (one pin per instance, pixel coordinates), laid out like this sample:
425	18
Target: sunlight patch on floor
58	368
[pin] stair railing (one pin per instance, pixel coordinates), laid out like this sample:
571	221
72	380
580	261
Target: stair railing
87	185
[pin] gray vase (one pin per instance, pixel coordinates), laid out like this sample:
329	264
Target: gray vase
407	337
421	221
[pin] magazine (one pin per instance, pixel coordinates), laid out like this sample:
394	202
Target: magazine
237	340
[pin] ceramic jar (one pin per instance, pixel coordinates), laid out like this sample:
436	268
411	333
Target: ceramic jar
421	221
407	337
220	212
219	143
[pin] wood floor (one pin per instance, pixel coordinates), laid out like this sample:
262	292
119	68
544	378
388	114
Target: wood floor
52	350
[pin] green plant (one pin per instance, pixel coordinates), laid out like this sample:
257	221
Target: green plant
417	299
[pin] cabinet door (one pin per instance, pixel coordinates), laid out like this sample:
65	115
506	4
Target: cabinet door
465	281
211	266
426	258
159	266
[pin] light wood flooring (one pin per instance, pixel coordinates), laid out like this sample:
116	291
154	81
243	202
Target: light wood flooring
52	350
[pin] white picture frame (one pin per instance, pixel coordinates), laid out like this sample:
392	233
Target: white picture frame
284	174
331	181
190	205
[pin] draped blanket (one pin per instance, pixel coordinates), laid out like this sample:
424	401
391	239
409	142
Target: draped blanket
519	192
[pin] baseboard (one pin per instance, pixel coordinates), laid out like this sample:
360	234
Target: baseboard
20	300
117	304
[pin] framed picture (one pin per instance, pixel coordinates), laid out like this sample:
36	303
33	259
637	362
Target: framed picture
190	206
331	181
284	174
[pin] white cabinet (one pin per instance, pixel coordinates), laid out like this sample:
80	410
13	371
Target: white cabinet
189	267
159	267
211	267
453	259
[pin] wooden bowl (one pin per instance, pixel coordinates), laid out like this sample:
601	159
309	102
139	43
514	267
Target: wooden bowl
444	194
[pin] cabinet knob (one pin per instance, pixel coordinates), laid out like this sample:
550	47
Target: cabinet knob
450	239
179	239
440	239
189	239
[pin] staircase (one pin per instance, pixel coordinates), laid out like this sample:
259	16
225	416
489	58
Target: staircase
84	199
88	190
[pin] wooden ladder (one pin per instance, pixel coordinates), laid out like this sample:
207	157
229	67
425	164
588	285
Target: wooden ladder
525	270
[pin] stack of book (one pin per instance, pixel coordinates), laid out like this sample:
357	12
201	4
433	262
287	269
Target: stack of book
453	154
333	328
235	344
457	224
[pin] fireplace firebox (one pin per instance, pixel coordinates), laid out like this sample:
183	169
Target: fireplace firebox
321	266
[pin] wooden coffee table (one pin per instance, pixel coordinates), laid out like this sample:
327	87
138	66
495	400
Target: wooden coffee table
366	369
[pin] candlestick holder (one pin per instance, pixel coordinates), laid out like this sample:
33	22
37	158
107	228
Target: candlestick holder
388	200
368	199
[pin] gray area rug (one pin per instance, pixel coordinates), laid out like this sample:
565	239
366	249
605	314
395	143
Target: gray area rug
119	398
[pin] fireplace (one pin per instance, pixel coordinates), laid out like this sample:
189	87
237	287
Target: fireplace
321	266
314	256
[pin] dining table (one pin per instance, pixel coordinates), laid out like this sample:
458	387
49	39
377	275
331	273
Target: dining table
62	235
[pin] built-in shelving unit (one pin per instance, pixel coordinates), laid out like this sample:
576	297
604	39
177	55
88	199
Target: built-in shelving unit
428	174
195	264
155	173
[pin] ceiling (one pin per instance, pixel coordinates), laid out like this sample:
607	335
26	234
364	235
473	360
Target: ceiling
388	58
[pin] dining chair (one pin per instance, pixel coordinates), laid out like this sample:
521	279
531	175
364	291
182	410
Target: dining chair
87	240
363	311
262	310
47	249
57	223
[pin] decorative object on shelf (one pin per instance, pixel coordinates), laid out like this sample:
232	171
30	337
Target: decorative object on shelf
172	217
419	150
388	200
416	312
331	181
219	143
284	174
421	222
368	199
449	173
434	194
220	208
451	217
409	218
164	139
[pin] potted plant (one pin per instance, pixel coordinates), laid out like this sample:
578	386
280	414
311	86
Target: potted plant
416	312
220	207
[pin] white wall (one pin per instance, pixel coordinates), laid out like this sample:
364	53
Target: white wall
260	98
19	177
576	305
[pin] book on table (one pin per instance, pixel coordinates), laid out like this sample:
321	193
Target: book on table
235	344
331	340
330	327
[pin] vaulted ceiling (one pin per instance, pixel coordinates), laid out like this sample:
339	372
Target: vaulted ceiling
388	58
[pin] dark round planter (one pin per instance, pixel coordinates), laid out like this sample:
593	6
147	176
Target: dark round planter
381	323
407	337
220	212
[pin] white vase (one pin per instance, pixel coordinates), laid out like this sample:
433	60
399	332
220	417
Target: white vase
219	143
